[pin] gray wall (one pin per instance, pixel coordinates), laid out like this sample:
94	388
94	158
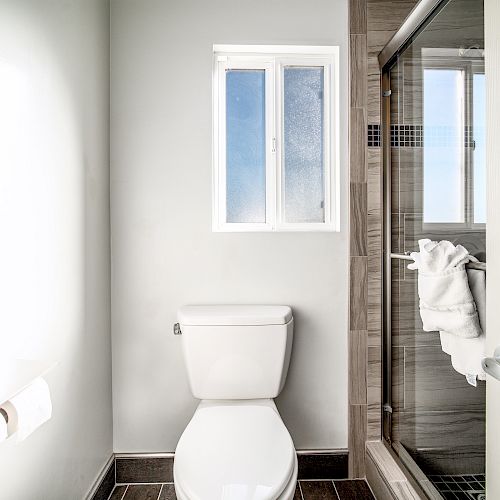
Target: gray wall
164	253
54	222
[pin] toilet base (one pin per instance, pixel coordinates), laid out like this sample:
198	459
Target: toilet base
287	494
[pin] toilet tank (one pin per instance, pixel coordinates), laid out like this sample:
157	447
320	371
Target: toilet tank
236	351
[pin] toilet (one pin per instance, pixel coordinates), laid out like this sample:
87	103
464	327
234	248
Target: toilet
236	447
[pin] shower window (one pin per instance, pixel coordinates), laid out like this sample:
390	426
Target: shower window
275	139
453	138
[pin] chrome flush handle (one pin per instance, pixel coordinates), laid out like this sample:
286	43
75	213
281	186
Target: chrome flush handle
177	329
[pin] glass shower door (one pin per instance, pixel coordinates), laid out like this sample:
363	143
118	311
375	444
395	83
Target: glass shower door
437	191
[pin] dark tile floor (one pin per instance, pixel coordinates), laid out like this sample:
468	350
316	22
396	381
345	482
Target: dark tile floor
460	487
306	490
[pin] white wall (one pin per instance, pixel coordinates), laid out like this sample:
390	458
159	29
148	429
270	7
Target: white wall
163	251
492	46
54	226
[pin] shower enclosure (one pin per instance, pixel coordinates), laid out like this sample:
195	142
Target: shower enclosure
433	135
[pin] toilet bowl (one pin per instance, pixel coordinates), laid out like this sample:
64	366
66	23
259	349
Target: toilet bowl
236	447
235	450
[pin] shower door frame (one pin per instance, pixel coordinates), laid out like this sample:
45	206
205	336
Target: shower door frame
386	260
418	19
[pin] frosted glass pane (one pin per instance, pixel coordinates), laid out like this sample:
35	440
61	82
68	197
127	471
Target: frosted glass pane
479	135
245	146
303	167
444	144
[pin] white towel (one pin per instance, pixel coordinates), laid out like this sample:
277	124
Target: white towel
446	302
466	354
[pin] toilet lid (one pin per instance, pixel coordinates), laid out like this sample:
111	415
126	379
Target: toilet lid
234	451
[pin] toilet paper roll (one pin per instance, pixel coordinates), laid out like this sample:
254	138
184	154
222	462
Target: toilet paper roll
3	428
10	411
29	409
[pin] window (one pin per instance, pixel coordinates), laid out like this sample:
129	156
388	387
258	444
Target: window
275	138
479	155
444	126
454	139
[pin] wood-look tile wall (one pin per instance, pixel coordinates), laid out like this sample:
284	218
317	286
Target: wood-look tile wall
372	24
358	206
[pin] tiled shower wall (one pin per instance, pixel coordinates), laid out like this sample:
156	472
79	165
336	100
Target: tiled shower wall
372	24
419	415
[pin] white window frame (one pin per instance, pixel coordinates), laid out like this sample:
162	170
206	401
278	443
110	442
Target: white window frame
273	59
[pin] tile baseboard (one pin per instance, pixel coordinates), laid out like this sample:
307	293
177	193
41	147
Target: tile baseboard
105	482
323	465
144	468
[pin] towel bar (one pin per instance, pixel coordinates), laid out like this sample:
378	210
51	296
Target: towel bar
481	266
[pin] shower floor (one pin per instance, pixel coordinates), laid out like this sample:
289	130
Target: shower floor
466	487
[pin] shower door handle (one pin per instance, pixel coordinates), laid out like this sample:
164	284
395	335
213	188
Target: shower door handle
492	365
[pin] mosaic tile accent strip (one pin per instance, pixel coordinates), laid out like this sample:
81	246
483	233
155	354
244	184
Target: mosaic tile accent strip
373	135
469	136
412	136
407	136
466	487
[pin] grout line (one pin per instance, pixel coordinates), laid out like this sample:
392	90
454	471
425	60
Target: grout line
370	488
112	491
343	479
152	483
124	493
325	479
134	456
145	484
159	493
100	479
300	490
335	488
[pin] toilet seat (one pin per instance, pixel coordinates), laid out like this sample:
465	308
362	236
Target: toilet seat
235	450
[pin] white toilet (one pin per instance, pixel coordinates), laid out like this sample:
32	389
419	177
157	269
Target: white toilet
236	447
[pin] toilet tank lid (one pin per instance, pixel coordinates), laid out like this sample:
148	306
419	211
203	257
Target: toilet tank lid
234	315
